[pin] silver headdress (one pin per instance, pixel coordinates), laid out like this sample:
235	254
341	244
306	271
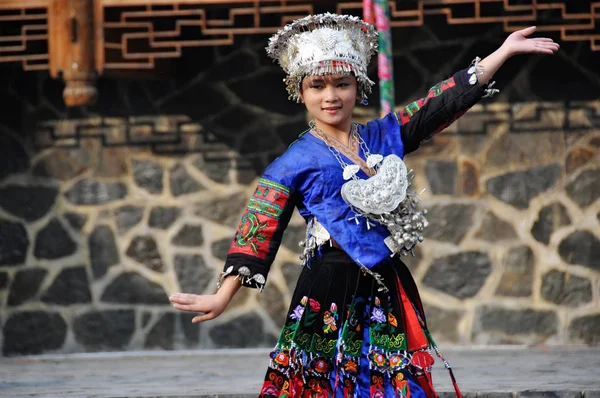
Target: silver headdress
324	44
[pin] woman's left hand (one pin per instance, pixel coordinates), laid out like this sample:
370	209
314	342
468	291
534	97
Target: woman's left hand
518	43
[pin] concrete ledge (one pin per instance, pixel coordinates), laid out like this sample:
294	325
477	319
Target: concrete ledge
488	372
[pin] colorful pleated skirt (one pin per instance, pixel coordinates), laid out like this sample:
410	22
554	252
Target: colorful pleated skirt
347	336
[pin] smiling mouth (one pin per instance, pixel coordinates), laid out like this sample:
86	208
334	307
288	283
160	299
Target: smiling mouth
332	108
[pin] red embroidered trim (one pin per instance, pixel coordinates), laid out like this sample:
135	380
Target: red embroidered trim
260	220
409	111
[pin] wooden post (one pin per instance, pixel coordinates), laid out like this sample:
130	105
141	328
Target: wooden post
71	49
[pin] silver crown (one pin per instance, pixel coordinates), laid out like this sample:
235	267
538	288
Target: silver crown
324	44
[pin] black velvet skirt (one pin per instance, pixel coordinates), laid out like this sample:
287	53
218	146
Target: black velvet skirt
352	333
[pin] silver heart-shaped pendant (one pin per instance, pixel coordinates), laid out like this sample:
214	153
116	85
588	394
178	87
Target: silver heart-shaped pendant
381	193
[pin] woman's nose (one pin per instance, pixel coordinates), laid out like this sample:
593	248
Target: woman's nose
331	94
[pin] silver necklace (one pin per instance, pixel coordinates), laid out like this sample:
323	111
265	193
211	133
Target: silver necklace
349	170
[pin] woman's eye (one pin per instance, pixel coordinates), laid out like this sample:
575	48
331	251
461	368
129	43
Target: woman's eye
317	86
343	85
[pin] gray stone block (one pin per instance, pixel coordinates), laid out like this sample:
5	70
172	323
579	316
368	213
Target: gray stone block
71	286
161	334
586	329
582	248
105	330
132	288
191	331
549	219
29	203
103	250
3	280
25	285
189	235
148	175
163	217
14	243
244	331
33	332
566	289
220	248
192	273
226	211
143	249
182	183
128	217
517	279
514	322
494	229
585	189
460	275
441	176
53	242
292	236
291	273
91	192
273	302
449	223
519	187
443	323
216	169
75	220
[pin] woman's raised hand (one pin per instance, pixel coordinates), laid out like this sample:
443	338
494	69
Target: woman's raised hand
519	43
211	306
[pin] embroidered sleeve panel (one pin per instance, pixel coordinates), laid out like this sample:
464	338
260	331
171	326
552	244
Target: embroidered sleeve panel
444	103
259	233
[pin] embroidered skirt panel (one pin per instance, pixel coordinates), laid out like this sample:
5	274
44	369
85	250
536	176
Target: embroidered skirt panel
345	338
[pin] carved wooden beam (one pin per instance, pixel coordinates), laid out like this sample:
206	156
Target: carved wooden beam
71	49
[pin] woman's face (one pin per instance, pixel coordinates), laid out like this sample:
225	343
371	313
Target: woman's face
330	99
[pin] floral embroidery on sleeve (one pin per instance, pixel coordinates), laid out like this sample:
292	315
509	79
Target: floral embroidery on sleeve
260	219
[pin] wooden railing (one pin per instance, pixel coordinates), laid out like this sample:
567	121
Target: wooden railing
79	39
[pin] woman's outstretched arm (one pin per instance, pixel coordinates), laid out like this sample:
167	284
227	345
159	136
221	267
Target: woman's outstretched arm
448	100
516	43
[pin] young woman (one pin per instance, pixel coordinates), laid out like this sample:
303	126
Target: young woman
356	326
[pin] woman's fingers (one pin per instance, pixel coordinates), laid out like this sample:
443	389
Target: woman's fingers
527	31
187	307
202	318
540	46
546	47
209	306
184	298
187	302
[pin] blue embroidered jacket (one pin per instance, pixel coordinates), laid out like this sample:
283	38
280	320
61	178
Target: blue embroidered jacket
309	177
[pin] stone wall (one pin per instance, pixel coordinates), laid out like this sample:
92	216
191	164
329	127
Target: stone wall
105	211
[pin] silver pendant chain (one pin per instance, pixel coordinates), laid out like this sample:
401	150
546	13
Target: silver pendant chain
336	153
